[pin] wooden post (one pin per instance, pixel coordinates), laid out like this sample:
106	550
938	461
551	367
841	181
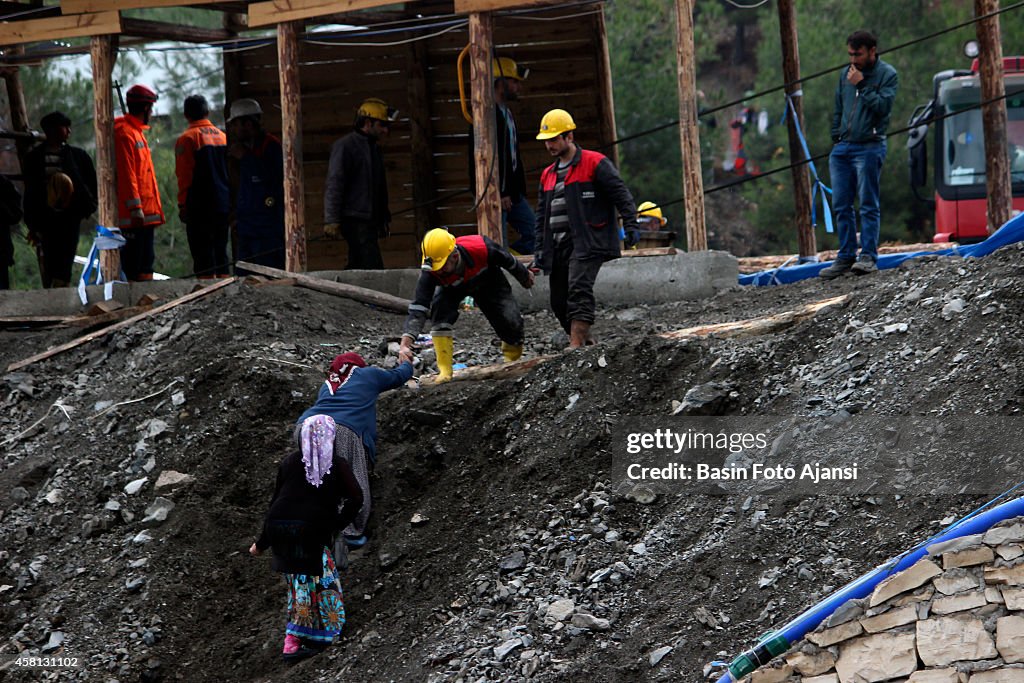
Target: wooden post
420	134
101	49
16	101
291	142
233	23
693	181
801	174
606	99
993	115
488	209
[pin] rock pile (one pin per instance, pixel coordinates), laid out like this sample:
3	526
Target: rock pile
955	616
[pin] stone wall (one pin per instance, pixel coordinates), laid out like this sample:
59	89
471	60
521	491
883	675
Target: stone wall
956	616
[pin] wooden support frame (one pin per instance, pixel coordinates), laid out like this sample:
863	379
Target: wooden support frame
278	11
83	6
467	6
604	77
488	208
806	243
689	135
291	144
103	53
382	300
59	28
161	30
420	135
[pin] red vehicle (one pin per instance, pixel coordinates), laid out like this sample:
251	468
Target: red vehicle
959	149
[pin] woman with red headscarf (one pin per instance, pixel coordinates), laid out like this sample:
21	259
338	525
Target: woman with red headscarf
349	397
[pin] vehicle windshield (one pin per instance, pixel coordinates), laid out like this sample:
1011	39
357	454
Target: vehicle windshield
963	137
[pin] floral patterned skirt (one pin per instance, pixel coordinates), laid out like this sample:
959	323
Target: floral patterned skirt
316	609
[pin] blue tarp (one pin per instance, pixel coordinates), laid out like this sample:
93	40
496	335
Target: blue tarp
1012	231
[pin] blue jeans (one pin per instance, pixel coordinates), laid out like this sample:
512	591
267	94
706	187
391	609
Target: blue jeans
523	220
856	169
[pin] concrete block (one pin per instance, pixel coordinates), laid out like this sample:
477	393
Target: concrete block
945	640
880	657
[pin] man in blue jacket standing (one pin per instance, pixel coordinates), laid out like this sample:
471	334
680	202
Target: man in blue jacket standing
864	100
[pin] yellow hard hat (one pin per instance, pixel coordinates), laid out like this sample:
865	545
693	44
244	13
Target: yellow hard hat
653	210
554	123
506	67
376	108
59	189
438	245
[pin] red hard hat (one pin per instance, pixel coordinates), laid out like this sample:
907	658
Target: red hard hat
140	93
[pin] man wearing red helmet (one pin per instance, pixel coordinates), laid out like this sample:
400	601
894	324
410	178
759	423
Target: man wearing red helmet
138	199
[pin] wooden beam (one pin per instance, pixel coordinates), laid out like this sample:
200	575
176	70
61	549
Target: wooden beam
119	326
993	115
420	136
756	326
162	30
103	56
488	208
279	11
806	243
498	371
605	94
20	8
85	6
469	6
361	294
689	135
291	144
59	28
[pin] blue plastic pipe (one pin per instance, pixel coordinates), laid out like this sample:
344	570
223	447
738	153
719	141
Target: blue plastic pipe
780	640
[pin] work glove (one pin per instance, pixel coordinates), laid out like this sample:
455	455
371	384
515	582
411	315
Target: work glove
632	238
331	230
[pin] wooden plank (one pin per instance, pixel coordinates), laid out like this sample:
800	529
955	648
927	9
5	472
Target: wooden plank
279	11
83	6
58	28
756	326
162	30
361	294
103	53
36	321
291	142
119	326
467	6
498	371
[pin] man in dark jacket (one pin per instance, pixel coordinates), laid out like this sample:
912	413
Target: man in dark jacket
204	200
60	191
863	102
10	215
515	209
258	161
356	192
454	268
576	226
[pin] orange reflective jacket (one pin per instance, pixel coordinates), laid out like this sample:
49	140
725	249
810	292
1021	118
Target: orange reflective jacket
199	162
136	178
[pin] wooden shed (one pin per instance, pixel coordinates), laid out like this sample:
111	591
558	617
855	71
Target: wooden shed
310	84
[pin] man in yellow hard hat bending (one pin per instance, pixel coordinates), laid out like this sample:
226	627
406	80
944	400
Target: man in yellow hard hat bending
454	268
576	226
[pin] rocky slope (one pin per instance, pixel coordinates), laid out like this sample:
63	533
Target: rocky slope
528	560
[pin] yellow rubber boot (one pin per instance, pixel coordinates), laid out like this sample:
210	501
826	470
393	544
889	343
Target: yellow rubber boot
444	349
510	352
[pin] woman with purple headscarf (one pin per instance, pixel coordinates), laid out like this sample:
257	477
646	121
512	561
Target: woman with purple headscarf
305	514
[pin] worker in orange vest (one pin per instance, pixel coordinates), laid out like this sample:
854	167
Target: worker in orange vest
138	200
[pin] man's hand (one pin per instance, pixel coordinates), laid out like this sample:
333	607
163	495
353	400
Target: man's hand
528	279
405	350
854	76
331	230
254	551
138	218
632	238
506	203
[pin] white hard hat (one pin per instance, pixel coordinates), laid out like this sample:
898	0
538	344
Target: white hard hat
244	107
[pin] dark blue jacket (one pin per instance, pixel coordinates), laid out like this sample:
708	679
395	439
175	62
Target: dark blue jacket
862	111
354	404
